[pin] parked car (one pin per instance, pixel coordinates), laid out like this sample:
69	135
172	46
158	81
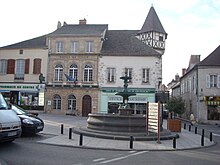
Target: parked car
10	124
30	124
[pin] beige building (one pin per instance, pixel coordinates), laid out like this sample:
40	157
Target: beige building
72	82
20	67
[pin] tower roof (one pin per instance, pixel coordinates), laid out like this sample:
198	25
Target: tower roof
152	23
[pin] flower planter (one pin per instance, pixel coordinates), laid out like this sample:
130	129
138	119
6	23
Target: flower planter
174	125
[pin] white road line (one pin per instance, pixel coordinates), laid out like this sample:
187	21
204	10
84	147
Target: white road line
214	134
98	160
122	157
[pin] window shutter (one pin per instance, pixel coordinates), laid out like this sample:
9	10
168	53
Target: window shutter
11	66
207	81
218	81
37	66
27	63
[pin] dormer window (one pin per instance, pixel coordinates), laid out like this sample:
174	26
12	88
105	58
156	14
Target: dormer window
89	46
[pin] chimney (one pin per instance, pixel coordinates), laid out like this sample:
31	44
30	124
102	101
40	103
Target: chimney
58	25
183	71
82	21
177	77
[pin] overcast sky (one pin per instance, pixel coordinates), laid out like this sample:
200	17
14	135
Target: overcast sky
193	26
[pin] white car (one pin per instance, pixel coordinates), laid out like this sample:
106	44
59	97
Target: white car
10	123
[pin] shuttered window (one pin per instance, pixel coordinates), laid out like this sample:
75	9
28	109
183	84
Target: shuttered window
11	66
27	64
37	66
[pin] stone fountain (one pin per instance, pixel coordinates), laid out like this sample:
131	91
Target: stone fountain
121	125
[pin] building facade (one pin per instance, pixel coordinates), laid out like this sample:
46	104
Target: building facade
20	67
200	88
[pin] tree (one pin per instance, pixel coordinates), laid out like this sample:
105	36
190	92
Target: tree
176	105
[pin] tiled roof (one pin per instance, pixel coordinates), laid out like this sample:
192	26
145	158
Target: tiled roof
213	59
152	23
38	42
81	29
125	42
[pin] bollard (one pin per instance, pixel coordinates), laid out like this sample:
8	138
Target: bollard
210	137
131	142
202	140
195	130
189	128
184	126
70	133
61	128
203	132
174	142
81	139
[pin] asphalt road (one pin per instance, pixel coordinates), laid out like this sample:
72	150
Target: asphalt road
26	151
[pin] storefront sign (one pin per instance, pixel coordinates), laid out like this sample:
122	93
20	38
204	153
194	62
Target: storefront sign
132	99
19	87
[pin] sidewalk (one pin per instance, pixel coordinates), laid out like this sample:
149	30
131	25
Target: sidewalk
186	140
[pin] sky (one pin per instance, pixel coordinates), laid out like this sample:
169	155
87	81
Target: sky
193	26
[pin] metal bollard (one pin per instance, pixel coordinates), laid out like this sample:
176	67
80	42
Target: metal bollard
61	129
131	142
174	142
202	140
189	128
210	136
203	132
184	126
195	130
81	139
70	133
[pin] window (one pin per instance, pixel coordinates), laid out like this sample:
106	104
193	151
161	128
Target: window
71	102
11	66
59	47
89	46
128	71
75	47
145	76
211	80
88	73
3	66
37	66
20	68
73	71
21	51
57	102
59	73
111	74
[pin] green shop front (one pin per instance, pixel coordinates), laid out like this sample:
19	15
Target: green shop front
109	102
27	96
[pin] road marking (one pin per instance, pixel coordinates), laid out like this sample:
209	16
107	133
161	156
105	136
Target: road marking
98	160
122	157
214	134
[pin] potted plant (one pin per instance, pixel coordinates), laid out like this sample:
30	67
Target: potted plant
176	106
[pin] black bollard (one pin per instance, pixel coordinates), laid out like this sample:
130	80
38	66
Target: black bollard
189	128
61	129
184	126
81	139
203	132
131	142
195	130
70	133
210	137
174	142
202	140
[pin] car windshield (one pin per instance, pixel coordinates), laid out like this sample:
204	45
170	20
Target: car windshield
3	104
18	109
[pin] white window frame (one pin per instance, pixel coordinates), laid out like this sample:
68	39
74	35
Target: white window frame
89	46
88	73
146	75
20	67
73	71
58	76
111	74
3	66
74	47
59	47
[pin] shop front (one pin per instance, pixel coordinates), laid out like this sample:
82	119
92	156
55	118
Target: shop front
109	102
28	96
213	106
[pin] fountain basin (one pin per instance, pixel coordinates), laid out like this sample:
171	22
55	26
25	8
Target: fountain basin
117	123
